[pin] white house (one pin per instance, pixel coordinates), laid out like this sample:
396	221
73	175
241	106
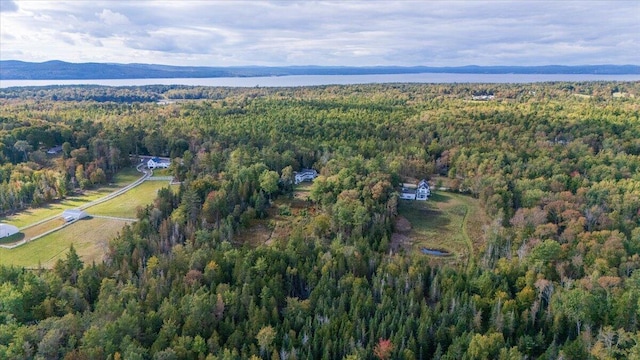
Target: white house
156	162
7	230
408	193
412	192
423	191
55	150
73	215
305	175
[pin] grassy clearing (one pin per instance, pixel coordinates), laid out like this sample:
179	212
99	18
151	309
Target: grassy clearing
162	172
34	231
30	216
303	190
284	215
12	239
127	204
89	237
449	222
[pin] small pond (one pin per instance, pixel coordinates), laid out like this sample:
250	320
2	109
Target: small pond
435	252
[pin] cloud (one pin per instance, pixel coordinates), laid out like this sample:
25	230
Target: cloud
112	18
407	32
8	5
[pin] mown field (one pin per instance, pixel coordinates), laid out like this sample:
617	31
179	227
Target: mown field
89	237
30	216
448	222
126	205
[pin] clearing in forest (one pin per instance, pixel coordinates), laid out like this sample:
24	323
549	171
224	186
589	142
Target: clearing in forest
284	214
447	222
90	238
31	216
126	205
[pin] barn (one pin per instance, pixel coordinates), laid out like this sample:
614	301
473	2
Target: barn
73	215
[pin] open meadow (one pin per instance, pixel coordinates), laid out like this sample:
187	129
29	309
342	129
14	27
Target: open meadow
446	222
89	237
126	205
31	216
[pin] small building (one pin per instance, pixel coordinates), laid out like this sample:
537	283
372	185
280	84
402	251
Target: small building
305	175
7	230
73	215
156	162
55	150
412	192
483	97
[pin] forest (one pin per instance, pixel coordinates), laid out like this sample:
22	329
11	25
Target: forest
555	166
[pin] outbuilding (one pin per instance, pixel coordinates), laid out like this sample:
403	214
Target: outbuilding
73	215
7	230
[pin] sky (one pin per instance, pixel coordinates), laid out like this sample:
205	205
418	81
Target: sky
329	33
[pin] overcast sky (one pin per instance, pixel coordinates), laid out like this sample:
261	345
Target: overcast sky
228	33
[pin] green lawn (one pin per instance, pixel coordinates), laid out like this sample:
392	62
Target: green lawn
89	236
12	239
449	222
126	205
33	231
30	216
162	172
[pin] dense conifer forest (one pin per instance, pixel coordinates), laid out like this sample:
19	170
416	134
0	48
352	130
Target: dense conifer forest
555	166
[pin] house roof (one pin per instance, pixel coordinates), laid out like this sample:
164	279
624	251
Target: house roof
73	213
55	149
8	227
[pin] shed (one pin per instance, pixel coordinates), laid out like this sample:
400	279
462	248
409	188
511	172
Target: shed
73	215
7	230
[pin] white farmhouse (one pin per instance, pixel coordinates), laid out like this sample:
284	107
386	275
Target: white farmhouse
55	150
156	162
413	192
423	192
305	175
7	230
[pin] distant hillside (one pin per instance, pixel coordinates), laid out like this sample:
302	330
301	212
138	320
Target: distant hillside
60	70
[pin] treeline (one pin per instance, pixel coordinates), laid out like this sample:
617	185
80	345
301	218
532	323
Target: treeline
30	176
555	278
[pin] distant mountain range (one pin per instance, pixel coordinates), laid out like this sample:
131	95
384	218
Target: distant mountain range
60	70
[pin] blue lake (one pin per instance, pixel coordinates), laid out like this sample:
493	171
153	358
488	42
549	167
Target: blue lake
315	80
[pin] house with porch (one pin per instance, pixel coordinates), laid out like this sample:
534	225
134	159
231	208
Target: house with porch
157	163
420	192
305	175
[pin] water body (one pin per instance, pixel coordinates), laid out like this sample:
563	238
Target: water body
315	80
434	252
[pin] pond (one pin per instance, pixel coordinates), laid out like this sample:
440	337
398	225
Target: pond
435	252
